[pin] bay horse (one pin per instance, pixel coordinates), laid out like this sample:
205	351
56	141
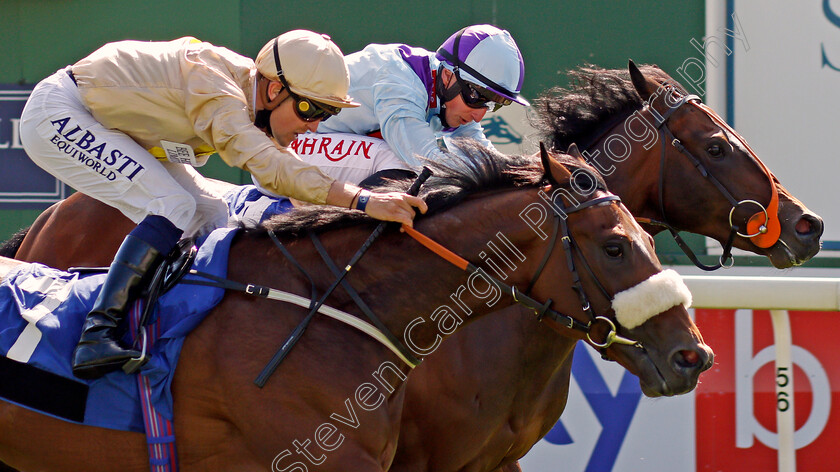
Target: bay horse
674	160
224	422
510	408
489	426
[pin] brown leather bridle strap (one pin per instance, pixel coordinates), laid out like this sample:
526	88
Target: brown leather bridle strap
540	309
762	228
768	232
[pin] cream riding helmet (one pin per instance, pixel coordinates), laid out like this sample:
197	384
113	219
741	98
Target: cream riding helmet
311	67
488	67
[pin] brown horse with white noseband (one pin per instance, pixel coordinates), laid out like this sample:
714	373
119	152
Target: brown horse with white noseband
224	422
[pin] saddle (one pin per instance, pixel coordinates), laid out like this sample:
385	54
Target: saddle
175	266
35	371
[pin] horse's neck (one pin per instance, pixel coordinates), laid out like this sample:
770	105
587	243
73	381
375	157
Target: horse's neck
421	297
635	178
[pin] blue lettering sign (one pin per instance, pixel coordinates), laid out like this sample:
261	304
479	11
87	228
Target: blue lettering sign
23	185
613	412
835	20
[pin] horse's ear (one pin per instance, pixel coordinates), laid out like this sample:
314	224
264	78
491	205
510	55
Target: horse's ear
575	152
644	86
555	172
546	160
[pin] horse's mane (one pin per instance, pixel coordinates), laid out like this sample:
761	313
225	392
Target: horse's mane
596	97
477	169
10	247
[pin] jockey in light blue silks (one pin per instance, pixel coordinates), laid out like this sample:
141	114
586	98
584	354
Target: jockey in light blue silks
414	96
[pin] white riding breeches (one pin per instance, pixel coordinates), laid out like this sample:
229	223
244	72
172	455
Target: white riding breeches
62	137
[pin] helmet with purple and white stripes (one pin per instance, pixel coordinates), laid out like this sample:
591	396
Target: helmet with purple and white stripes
486	56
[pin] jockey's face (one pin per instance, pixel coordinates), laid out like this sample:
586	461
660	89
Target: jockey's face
457	113
285	122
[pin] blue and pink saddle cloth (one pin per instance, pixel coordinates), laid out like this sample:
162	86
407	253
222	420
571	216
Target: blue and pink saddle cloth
41	315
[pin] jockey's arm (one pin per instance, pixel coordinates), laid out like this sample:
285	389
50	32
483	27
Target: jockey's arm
408	134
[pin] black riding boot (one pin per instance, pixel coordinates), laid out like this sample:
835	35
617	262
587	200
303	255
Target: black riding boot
99	350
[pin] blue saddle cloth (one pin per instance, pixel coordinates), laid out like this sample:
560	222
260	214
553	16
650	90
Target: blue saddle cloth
41	315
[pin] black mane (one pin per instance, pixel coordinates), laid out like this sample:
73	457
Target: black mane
483	169
10	247
595	99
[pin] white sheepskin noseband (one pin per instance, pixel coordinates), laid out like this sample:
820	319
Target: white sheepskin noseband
647	299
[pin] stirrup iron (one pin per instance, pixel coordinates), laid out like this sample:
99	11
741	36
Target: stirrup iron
135	363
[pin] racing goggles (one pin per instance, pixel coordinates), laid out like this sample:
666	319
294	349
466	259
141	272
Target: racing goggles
307	109
476	96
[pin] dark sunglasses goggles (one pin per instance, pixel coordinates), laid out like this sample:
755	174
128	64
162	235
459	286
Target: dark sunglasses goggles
309	110
476	96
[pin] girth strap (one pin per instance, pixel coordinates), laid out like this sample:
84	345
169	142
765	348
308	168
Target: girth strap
303	302
160	432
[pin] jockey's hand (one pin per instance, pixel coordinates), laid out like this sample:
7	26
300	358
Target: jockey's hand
394	206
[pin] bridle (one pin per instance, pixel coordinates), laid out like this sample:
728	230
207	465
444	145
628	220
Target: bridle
763	227
559	228
570	247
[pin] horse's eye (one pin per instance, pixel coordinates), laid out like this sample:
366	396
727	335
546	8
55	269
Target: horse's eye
613	250
715	150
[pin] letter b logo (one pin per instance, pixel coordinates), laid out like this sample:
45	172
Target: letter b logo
747	365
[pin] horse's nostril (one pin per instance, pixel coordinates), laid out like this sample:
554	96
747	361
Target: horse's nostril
809	225
687	358
803	227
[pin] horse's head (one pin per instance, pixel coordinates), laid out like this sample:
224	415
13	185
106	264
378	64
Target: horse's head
675	162
636	311
721	181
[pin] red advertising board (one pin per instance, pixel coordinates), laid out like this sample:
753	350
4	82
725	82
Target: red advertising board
736	400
